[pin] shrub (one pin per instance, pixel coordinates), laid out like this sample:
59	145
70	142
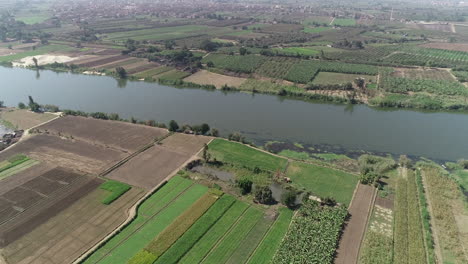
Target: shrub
288	198
263	195
245	186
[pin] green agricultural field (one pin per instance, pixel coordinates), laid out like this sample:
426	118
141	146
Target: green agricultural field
172	75
196	231
242	155
152	72
254	85
38	51
340	78
154	215
115	189
233	239
33	19
322	181
242	64
344	22
14	165
307	51
266	250
198	252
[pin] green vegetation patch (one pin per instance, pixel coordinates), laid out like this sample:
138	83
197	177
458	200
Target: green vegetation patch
344	22
224	249
268	247
314	232
244	156
325	78
173	75
116	190
243	64
190	238
294	154
322	181
307	51
209	240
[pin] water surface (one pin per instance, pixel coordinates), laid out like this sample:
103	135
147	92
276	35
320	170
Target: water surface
259	117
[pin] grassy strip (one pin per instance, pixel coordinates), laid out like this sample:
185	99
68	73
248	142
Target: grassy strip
203	246
14	161
250	242
116	188
152	206
239	154
231	241
188	240
426	219
138	240
322	181
180	225
12	171
268	247
401	222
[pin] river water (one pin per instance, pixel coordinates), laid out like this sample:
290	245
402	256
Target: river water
259	117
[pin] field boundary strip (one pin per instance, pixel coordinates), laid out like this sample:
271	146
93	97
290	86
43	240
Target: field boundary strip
369	213
132	211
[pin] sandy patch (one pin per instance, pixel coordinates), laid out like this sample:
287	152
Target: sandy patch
42	60
218	80
6	52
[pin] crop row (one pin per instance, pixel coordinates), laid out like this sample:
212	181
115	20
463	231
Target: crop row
241	64
426	219
190	238
441	87
409	242
276	67
267	249
313	235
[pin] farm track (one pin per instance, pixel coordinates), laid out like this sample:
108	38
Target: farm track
353	234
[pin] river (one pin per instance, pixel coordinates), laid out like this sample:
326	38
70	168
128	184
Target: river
259	117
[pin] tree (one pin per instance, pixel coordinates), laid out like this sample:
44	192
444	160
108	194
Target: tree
243	51
206	155
210	64
288	198
121	72
173	126
245	185
214	132
35	107
205	128
209	45
35	62
360	82
263	194
21	106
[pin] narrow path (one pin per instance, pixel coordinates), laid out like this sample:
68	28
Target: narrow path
454	30
359	210
435	232
333	20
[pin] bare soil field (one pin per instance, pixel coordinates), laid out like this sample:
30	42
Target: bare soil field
150	167
431	74
24	119
438	27
384	202
185	144
86	58
350	243
24	176
218	80
100	61
141	67
447	46
122	136
74	154
73	231
6	51
34	202
114	65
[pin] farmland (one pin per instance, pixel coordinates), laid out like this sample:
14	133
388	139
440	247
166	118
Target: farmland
340	78
218	80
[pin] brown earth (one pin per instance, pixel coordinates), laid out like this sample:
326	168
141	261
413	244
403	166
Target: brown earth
448	46
150	167
22	177
185	144
67	235
143	66
24	119
101	61
34	202
350	243
384	202
218	80
122	136
68	153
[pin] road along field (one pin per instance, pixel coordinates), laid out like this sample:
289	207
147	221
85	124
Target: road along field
361	206
122	136
218	80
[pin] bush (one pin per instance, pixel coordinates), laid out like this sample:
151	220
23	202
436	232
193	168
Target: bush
245	186
263	195
21	106
288	198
